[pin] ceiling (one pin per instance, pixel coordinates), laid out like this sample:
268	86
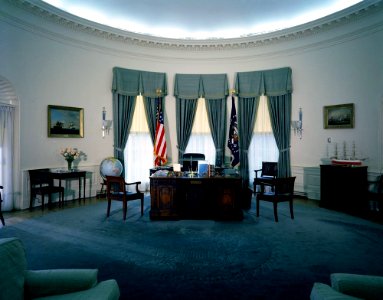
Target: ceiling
202	19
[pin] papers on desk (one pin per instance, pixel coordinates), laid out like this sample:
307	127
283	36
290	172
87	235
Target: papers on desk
161	173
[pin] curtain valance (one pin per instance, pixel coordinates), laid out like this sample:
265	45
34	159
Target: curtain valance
133	82
194	86
269	82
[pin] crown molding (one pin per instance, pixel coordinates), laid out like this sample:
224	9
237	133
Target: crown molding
52	14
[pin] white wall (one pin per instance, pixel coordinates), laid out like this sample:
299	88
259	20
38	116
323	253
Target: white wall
52	64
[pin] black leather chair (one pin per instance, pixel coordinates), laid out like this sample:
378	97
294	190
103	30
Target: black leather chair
1	213
116	190
190	161
41	183
282	190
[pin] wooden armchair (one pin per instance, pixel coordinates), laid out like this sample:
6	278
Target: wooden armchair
116	190
282	190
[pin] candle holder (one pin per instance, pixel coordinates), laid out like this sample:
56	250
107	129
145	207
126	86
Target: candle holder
297	125
106	124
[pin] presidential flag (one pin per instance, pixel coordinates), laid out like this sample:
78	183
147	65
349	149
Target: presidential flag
233	135
160	140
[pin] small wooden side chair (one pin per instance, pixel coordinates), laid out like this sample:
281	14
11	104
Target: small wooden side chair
282	190
41	183
116	190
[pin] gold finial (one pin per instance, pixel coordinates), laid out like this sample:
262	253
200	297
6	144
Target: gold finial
232	91
158	92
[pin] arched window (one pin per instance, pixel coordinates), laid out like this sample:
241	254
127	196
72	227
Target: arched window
201	140
138	152
263	146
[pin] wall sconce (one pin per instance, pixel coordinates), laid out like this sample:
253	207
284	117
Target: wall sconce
106	124
297	125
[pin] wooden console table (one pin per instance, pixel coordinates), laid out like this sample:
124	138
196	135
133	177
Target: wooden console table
344	188
70	175
217	198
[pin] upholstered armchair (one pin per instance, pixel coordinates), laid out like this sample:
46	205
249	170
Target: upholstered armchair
349	286
16	282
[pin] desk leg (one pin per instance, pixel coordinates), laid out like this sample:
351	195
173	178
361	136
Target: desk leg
61	200
84	187
79	189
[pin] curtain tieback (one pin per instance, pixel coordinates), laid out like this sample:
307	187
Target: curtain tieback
118	149
285	149
181	151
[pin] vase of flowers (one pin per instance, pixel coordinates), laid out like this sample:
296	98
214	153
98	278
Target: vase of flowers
70	154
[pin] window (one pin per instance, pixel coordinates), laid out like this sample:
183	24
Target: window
263	146
138	152
201	140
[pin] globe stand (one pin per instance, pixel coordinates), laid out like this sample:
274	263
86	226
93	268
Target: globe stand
109	166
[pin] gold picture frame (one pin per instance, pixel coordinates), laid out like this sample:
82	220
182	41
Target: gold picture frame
339	116
65	121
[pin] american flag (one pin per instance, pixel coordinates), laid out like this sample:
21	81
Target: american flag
160	140
232	143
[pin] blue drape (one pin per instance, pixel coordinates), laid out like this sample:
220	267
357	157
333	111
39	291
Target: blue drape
277	86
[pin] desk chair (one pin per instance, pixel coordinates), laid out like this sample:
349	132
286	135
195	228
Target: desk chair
1	213
190	161
116	190
41	183
282	190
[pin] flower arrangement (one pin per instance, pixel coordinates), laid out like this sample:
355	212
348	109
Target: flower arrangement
70	154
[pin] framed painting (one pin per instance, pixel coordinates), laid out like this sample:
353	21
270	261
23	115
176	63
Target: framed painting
338	116
65	121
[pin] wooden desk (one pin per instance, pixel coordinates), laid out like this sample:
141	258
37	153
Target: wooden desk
196	198
69	175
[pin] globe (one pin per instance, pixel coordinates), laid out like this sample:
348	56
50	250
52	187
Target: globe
110	166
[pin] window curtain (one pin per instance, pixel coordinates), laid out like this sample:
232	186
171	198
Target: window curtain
127	84
280	115
247	112
123	109
187	89
278	89
249	87
215	89
7	120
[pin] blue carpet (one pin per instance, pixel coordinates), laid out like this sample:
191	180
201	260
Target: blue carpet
202	259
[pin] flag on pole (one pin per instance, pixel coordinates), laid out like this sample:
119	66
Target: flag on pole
233	135
160	140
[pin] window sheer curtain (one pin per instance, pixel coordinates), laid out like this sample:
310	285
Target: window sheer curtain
7	120
201	140
138	153
263	146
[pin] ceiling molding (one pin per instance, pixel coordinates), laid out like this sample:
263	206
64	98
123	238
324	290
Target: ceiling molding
52	14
